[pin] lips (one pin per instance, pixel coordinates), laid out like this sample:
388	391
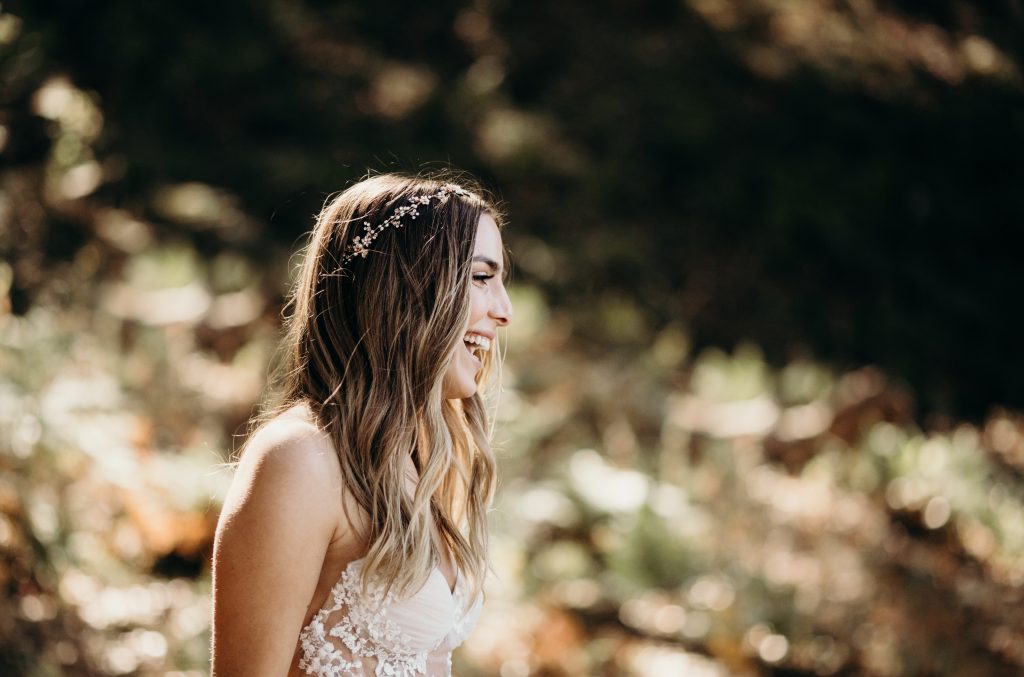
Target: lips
476	345
477	339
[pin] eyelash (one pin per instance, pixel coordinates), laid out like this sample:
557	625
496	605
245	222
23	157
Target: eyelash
482	278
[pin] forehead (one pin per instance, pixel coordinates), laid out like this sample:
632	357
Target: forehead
488	239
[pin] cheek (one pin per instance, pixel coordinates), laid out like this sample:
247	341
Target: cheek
477	306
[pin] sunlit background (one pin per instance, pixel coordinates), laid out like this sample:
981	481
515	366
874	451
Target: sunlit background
762	408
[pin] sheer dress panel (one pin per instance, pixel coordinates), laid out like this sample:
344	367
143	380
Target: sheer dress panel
382	635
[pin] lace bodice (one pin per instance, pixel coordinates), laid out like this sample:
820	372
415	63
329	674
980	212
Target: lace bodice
384	635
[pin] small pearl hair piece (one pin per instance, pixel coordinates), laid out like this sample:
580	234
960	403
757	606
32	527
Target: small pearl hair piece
361	243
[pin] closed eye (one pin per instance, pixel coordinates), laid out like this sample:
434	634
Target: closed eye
482	278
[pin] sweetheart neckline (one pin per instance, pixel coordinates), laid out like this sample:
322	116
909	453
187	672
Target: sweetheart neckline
436	570
402	641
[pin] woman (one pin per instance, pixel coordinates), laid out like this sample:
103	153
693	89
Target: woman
353	538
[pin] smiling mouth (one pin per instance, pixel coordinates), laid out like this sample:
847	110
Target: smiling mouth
477	345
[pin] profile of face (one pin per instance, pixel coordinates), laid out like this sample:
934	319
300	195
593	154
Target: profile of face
489	308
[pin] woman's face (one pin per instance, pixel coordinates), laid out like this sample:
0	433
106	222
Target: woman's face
489	308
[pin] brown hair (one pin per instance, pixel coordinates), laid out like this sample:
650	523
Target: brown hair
367	345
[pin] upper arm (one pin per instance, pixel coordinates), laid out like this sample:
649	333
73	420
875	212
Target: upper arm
277	522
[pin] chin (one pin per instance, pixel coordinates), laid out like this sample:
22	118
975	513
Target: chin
460	378
460	391
459	386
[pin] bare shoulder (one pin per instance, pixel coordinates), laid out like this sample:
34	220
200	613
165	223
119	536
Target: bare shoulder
295	448
289	466
280	517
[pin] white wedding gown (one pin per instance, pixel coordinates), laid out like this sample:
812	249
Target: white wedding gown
384	635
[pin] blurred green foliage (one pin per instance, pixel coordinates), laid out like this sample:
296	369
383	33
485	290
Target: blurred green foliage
721	211
838	179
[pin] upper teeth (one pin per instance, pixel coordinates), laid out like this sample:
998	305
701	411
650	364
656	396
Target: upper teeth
481	341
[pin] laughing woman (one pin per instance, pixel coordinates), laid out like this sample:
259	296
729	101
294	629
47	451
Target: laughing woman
353	539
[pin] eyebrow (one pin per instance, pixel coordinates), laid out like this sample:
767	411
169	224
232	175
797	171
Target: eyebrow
495	266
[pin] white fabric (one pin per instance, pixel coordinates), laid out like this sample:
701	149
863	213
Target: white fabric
383	635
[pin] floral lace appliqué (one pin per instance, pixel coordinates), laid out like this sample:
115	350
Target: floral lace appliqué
352	636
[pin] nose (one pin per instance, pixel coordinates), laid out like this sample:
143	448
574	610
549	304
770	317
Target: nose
501	308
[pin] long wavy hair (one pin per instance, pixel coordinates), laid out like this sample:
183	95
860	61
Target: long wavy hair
366	348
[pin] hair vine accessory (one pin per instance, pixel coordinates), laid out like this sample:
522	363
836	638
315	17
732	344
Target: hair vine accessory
361	243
